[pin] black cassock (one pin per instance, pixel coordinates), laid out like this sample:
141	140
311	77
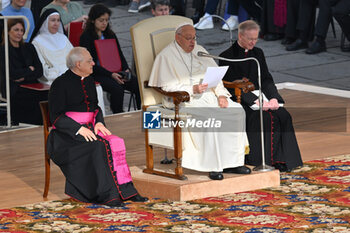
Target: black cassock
281	146
87	166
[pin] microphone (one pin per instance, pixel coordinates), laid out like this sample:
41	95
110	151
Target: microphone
263	167
203	54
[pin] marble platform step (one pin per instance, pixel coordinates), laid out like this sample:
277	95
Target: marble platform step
198	185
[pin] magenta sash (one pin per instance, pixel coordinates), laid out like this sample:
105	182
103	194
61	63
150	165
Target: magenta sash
116	143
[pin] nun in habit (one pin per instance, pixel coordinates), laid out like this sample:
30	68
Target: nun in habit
53	46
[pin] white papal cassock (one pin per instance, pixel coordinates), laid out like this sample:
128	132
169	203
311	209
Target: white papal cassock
210	150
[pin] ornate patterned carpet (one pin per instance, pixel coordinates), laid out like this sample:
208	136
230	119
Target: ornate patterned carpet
315	198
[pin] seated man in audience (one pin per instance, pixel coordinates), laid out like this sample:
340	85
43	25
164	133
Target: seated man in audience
17	8
90	157
160	7
307	7
341	12
178	68
281	147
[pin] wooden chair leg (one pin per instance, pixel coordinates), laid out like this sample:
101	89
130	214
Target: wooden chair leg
47	176
44	106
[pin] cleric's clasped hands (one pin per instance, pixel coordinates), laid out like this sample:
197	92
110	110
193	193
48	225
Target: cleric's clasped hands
91	136
269	105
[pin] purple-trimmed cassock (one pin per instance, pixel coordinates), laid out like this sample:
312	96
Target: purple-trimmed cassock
281	146
97	171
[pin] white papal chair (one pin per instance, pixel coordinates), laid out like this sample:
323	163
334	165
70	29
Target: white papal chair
149	37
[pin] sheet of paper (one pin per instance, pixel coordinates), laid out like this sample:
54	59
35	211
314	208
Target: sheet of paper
214	75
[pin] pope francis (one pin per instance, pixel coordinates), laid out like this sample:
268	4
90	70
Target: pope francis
178	68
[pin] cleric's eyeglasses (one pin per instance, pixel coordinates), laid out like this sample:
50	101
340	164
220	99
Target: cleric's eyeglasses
251	39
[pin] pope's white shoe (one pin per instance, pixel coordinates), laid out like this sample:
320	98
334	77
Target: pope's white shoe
204	23
232	22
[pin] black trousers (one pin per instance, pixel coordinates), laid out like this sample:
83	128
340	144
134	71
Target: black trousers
296	21
116	91
323	19
251	6
232	8
341	12
178	7
199	6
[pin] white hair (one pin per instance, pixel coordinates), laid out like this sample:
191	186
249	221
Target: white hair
74	56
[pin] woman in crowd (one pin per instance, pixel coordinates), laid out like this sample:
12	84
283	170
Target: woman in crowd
69	11
98	28
25	68
51	44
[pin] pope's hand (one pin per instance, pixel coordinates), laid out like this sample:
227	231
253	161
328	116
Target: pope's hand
99	127
200	88
223	103
87	134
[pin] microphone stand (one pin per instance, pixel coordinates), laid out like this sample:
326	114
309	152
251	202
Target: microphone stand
263	167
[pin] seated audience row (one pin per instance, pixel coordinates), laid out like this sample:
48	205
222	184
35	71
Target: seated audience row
293	20
52	46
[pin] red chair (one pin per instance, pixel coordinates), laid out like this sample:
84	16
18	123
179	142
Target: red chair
109	58
74	32
108	55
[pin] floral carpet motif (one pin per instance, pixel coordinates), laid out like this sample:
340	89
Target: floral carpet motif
314	198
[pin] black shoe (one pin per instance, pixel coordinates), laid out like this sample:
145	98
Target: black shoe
115	203
298	44
238	170
282	167
316	47
287	41
138	198
272	37
345	49
216	175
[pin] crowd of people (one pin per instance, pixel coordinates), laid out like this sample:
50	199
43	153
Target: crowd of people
291	21
47	56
